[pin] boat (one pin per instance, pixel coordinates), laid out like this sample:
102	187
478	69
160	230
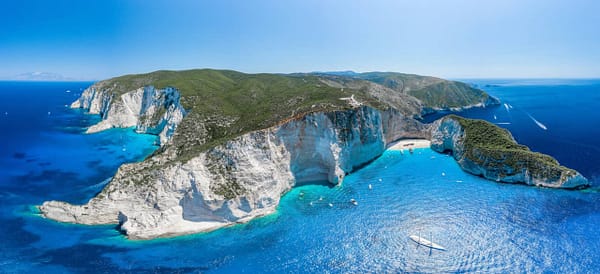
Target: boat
427	243
354	202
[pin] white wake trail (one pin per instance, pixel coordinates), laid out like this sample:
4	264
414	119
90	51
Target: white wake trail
542	126
98	186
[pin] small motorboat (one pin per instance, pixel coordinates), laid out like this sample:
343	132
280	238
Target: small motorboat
427	243
370	186
354	202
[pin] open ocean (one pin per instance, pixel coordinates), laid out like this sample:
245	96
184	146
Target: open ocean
486	226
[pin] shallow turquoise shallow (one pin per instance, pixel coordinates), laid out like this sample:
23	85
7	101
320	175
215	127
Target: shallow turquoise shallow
486	226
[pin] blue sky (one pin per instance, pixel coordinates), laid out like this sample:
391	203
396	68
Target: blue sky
455	39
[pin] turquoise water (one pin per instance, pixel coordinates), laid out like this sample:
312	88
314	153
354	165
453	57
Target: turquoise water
486	226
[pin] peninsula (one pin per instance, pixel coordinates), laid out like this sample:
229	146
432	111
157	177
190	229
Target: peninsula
232	143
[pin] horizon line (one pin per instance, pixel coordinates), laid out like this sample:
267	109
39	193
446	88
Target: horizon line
75	79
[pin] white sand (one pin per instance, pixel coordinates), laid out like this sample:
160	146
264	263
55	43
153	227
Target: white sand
410	143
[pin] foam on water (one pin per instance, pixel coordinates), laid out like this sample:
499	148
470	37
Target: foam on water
538	123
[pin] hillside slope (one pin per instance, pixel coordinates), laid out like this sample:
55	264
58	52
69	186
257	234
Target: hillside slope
434	93
223	104
233	143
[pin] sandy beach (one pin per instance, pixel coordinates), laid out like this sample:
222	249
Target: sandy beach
410	143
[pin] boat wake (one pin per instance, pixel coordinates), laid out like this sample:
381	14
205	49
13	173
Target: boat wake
542	126
98	186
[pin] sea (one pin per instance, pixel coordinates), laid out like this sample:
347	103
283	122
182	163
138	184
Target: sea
486	227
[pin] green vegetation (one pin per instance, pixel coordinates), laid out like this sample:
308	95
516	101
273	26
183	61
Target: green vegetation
450	94
224	104
494	148
435	93
229	190
221	105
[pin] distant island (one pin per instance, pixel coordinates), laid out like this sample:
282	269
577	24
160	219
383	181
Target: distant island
233	143
40	76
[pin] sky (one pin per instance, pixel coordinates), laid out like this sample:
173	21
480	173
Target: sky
98	39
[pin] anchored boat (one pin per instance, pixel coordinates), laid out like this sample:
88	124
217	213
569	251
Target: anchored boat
424	242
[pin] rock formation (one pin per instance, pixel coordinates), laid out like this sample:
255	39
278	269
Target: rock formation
232	144
241	179
484	149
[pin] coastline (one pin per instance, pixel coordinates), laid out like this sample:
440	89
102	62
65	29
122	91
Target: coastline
409	144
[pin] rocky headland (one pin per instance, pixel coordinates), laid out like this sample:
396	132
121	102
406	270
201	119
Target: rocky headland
232	143
484	149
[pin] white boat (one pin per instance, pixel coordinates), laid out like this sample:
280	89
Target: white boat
424	242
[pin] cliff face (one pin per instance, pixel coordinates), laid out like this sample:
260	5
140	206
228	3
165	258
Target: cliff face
241	179
247	139
484	149
149	110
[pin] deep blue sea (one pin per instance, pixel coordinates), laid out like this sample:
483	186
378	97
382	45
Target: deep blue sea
486	226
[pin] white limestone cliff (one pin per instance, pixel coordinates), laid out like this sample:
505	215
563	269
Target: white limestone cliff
245	177
149	110
239	180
